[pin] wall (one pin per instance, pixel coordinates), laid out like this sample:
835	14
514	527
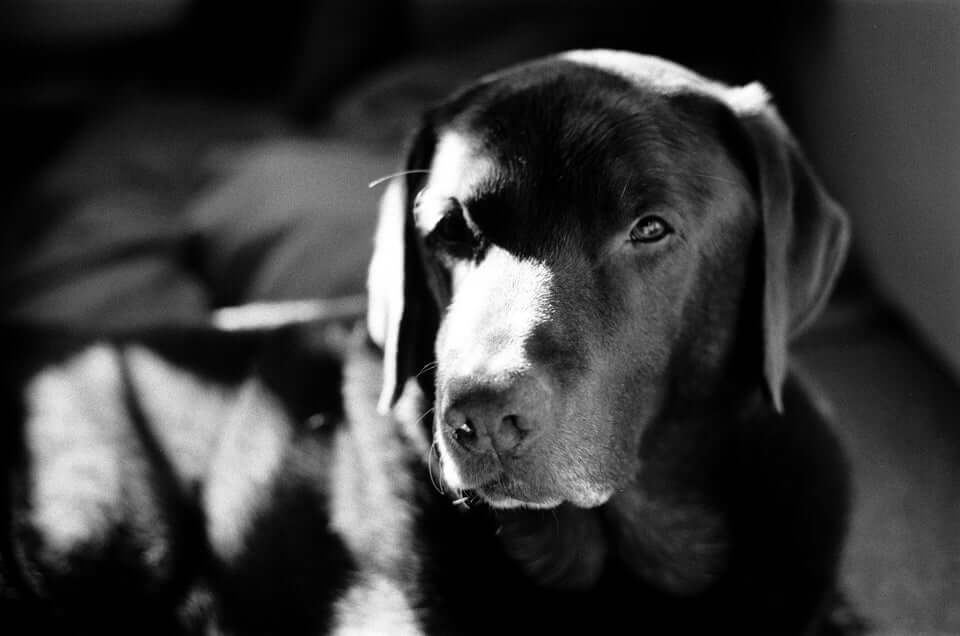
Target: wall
879	88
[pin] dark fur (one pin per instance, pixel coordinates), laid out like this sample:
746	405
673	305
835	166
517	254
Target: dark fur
647	386
734	521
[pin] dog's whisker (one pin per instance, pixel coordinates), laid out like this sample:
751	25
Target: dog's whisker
702	175
403	173
434	452
715	178
420	419
430	366
626	184
465	498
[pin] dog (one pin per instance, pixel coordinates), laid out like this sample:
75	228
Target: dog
590	271
568	408
172	480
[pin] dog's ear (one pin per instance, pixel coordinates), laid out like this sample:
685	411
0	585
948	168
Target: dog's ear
402	316
805	232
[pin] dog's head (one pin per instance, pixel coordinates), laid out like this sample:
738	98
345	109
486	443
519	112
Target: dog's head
575	246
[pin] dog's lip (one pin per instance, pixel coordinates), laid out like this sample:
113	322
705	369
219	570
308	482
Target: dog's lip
503	492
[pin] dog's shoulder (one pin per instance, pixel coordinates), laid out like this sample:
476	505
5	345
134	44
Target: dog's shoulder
800	442
788	488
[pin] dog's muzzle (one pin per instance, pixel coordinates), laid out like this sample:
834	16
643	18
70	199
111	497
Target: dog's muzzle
491	435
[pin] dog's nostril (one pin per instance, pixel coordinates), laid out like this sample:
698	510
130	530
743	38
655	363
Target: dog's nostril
510	433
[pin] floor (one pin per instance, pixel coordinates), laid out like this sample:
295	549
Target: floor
896	411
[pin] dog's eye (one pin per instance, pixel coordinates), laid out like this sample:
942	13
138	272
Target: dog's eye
650	229
453	232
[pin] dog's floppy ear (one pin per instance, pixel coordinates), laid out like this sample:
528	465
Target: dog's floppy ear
805	232
402	316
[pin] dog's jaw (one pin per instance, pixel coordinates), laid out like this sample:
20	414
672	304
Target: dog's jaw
508	503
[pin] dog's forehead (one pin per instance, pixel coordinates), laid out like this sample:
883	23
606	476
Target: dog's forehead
560	112
563	151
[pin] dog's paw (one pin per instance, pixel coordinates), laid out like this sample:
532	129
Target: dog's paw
562	548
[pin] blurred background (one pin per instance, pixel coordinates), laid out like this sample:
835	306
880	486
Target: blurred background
167	157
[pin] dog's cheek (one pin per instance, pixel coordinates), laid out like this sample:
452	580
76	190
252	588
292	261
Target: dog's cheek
629	392
598	450
639	333
585	460
594	450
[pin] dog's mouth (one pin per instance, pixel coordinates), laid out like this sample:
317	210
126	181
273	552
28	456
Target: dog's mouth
485	479
505	493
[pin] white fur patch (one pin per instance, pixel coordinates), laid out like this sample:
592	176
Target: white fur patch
489	322
375	605
255	433
379	538
77	440
750	99
189	412
459	165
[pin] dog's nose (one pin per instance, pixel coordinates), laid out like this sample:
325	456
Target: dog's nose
482	418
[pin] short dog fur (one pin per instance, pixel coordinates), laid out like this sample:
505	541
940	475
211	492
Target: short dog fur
593	269
569	410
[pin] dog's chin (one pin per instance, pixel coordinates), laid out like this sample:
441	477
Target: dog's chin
502	492
508	503
497	496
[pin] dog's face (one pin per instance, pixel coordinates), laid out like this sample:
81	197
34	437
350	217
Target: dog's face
585	234
574	234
